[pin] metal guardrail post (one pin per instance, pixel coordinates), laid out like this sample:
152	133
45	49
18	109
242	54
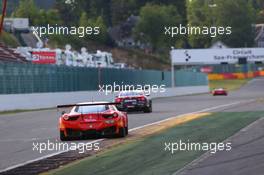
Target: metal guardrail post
172	70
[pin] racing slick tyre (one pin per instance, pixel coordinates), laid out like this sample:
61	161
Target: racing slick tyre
148	109
126	130
122	132
63	137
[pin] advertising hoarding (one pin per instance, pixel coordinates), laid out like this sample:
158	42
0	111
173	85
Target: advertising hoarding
216	56
44	57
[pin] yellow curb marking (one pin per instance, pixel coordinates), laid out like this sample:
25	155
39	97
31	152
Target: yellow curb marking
153	129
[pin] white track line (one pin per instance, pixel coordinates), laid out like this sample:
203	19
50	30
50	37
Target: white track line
133	129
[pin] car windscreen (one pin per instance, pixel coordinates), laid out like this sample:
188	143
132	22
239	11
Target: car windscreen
91	109
123	94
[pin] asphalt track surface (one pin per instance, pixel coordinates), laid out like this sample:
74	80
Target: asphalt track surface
245	158
19	131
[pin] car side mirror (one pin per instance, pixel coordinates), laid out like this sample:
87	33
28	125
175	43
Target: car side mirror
63	112
147	95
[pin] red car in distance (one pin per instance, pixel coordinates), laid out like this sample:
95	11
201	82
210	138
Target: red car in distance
92	118
220	91
134	101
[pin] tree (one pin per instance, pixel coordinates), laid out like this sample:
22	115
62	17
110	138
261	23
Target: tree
122	9
27	9
180	5
239	14
98	22
53	17
83	19
260	17
259	10
101	8
102	37
152	23
199	14
257	4
42	18
69	13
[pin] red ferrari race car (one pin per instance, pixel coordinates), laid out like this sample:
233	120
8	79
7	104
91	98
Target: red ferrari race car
219	91
134	101
92	118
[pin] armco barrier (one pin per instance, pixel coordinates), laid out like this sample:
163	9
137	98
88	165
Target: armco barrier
32	78
50	100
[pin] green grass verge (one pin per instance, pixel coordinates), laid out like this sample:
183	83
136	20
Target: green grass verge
147	157
228	84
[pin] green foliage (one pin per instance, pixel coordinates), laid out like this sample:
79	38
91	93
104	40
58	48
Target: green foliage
224	14
9	39
84	19
70	14
52	17
239	14
112	12
154	16
102	37
258	5
153	20
28	9
122	9
100	8
260	17
200	14
102	13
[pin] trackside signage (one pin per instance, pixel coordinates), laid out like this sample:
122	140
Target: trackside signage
44	57
216	56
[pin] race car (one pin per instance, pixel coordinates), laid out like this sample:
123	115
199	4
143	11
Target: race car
92	119
219	91
134	101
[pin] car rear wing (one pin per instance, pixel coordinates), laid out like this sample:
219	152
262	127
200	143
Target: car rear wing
86	104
